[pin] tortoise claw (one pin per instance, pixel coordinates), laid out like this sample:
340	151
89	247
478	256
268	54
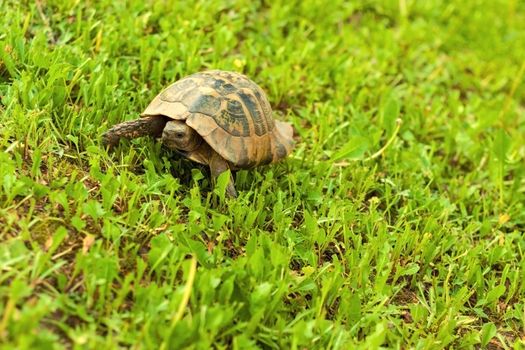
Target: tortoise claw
218	165
230	189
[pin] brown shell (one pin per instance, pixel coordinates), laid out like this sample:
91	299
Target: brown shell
230	112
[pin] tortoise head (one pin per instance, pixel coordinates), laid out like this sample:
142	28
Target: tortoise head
177	135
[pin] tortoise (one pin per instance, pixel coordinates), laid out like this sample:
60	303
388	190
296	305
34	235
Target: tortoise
218	118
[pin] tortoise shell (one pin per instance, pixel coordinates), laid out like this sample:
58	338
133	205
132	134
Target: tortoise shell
230	112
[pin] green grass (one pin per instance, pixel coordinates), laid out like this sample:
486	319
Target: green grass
373	233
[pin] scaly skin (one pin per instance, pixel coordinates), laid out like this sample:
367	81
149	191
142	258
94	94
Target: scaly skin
149	126
204	154
218	165
222	119
153	126
231	113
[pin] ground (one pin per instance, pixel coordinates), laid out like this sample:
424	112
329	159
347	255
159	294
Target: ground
397	222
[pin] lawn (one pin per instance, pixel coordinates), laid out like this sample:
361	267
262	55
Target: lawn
397	222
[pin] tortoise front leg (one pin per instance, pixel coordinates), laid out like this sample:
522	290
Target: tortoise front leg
148	126
217	166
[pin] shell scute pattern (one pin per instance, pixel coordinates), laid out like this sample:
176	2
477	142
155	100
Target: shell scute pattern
205	104
230	112
254	109
224	87
265	107
232	119
239	107
176	91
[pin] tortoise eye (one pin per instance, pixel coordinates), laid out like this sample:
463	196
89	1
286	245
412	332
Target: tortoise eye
179	134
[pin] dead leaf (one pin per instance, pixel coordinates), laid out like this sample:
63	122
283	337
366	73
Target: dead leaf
87	242
48	243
